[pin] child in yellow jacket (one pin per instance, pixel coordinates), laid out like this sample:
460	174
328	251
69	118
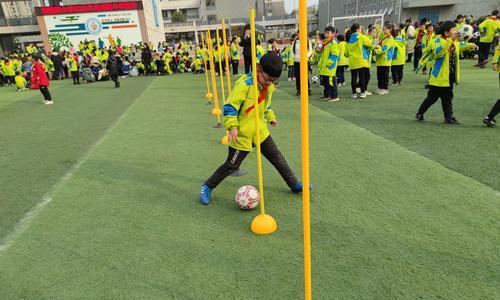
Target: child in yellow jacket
239	120
489	120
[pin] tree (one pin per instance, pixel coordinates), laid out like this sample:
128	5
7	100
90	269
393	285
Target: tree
177	17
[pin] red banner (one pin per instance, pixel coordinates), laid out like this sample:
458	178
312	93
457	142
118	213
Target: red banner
85	8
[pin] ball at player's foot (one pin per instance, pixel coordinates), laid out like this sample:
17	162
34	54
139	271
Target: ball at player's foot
247	197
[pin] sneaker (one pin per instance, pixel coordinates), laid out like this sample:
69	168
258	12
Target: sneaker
343	83
368	93
297	188
44	101
289	79
324	98
48	102
489	122
362	95
358	90
354	96
424	72
451	121
294	78
333	99
205	194
419	118
382	92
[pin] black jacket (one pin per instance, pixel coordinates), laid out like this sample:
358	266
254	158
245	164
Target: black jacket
112	65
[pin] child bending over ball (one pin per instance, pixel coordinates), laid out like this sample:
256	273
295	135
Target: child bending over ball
239	120
21	82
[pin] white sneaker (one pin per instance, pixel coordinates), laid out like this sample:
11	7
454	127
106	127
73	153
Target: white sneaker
358	90
333	99
289	79
49	102
362	95
354	96
343	84
294	78
324	99
368	93
44	101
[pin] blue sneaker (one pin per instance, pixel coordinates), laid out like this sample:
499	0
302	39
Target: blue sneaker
297	188
205	194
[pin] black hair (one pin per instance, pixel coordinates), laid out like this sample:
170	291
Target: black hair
340	38
293	36
329	28
272	64
495	12
271	41
428	26
459	17
446	26
18	73
423	21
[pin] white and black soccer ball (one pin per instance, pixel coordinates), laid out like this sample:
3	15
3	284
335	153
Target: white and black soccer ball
247	197
315	79
319	46
465	33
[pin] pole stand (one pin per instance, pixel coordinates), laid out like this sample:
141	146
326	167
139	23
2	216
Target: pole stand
263	224
218	125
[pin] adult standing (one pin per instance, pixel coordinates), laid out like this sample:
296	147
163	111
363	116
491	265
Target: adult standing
146	59
112	66
410	39
58	65
296	64
246	43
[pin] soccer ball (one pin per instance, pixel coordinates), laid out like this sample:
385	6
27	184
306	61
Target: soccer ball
319	46
315	79
247	197
465	33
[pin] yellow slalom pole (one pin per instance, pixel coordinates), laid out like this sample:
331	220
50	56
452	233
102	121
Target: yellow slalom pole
226	57
304	123
216	110
261	224
208	94
220	68
225	139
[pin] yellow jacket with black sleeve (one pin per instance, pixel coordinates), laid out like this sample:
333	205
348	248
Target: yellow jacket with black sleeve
488	29
329	57
359	49
385	52
239	112
440	75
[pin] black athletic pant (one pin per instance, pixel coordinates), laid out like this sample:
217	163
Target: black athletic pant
359	74
236	157
76	77
147	68
11	79
340	74
434	93
290	71
114	77
397	73
248	64
410	55
383	77
235	63
45	92
484	51
417	57
296	71
330	87
495	110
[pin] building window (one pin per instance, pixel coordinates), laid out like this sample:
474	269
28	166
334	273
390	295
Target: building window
212	19
210	3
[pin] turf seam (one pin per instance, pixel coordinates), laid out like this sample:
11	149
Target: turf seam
495	192
28	218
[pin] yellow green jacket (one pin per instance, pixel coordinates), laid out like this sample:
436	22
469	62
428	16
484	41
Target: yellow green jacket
9	69
329	58
385	52
197	64
488	29
440	75
496	58
260	52
239	113
73	64
235	51
359	47
399	55
20	81
343	59
287	56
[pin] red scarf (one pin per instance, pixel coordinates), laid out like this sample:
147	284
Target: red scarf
382	40
263	94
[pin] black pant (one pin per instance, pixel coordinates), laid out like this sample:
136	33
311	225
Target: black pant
11	79
359	74
76	77
147	68
434	93
418	56
410	55
330	86
296	71
397	73
495	110
248	64
235	63
383	77
341	74
290	71
114	77
236	157
45	92
484	51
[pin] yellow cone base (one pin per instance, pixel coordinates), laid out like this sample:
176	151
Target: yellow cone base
263	224
224	140
216	111
209	96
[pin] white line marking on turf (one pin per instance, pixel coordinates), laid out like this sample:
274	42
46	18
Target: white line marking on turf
26	221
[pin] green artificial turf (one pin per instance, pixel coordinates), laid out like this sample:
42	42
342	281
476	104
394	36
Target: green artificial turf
389	220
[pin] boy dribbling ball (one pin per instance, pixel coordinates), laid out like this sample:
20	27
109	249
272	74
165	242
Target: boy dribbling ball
239	120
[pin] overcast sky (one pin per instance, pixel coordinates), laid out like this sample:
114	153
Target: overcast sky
293	4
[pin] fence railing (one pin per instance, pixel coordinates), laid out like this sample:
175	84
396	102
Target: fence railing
22	21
